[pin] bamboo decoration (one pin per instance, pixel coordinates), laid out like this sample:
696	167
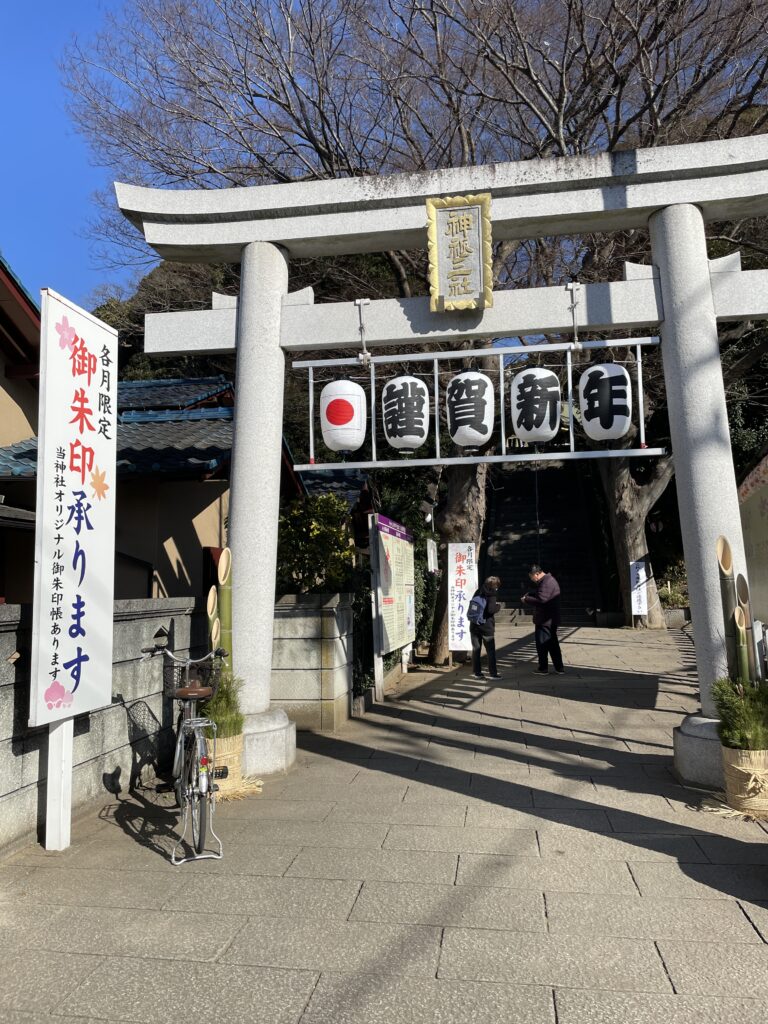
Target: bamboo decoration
742	653
742	596
225	604
215	634
211	607
729	602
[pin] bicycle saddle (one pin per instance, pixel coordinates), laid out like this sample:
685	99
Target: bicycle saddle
193	693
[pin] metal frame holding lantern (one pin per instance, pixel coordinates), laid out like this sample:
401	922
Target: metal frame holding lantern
598	407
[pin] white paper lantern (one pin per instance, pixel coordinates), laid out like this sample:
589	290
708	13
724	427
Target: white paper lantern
605	401
536	404
343	415
405	412
470	405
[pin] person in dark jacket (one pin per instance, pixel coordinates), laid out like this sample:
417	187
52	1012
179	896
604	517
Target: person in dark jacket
483	632
545	600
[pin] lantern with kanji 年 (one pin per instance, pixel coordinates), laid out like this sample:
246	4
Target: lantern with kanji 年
343	415
536	404
405	412
605	401
470	406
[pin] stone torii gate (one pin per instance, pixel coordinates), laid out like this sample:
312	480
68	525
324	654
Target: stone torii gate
672	191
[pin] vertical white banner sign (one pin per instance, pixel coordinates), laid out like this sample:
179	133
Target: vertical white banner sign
462	583
75	526
638	577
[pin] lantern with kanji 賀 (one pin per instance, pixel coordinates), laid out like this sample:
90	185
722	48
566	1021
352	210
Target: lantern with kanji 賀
470	406
343	415
605	401
405	412
536	404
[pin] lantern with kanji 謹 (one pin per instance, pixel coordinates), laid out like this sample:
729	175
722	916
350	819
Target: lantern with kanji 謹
343	415
536	404
405	412
605	401
470	406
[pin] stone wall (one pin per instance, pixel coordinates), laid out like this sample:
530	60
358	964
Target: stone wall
112	746
311	680
312	660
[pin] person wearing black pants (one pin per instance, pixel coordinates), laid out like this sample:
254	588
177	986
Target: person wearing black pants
545	600
484	632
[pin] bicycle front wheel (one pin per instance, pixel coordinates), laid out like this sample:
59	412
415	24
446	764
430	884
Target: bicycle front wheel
198	800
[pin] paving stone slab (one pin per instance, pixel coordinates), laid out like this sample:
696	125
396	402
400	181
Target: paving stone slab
37	981
258	809
758	915
675	822
162	935
68	886
481	815
244	856
713	968
462	905
571	961
22	1017
340	792
390	1000
363	947
401	813
19	921
512	842
296	834
641	917
135	990
268	897
725	850
576	844
579	1007
384	865
544	875
705	881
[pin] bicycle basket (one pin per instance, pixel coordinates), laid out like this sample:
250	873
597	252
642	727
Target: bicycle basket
175	675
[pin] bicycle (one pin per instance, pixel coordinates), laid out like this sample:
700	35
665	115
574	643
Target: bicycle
194	759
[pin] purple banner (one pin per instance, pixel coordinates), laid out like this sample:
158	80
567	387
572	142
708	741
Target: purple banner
394	529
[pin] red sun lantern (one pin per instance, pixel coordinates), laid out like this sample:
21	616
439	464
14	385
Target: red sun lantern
343	415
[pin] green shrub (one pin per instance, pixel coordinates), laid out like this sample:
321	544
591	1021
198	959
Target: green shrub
224	707
313	551
743	712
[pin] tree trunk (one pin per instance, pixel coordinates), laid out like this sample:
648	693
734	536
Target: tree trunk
461	520
628	506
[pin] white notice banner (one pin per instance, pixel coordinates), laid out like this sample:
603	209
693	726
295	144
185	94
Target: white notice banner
638	577
462	583
75	525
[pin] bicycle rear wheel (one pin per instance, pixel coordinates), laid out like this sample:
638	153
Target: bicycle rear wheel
198	801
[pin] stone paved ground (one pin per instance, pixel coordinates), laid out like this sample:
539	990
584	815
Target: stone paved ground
506	853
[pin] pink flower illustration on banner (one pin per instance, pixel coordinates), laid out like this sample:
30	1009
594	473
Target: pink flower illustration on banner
67	334
56	696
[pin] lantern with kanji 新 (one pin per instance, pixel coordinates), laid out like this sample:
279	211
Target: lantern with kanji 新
343	415
536	404
605	401
470	406
405	412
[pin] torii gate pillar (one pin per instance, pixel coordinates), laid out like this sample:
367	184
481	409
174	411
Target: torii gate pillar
707	495
254	507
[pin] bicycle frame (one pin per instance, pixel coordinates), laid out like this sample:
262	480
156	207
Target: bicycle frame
194	768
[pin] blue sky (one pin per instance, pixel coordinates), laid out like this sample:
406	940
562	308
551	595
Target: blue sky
46	178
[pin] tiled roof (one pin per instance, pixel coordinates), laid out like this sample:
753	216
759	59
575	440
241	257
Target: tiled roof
193	443
169	394
344	483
